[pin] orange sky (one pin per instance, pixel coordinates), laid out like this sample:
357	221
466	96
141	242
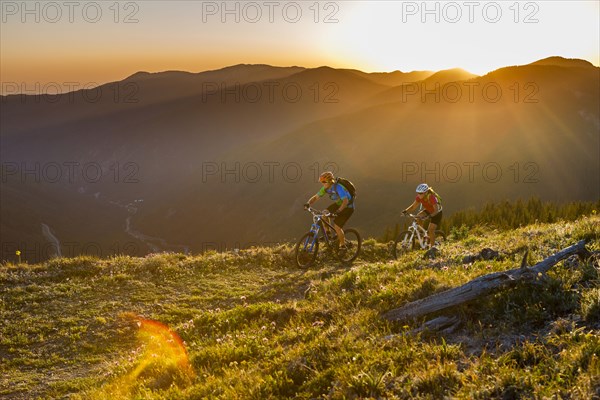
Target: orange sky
99	42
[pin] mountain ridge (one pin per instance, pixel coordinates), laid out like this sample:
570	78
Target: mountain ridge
548	61
211	162
563	62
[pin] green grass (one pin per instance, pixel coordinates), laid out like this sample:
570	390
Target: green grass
255	327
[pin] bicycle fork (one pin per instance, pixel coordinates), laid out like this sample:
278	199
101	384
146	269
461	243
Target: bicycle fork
310	243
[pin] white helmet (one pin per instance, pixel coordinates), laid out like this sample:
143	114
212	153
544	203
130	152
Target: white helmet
422	188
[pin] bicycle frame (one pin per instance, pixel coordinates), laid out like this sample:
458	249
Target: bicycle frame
317	225
322	230
414	235
417	230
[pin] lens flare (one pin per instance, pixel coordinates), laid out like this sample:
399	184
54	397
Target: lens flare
163	348
159	362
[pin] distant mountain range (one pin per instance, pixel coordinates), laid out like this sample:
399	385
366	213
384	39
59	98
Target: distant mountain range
226	158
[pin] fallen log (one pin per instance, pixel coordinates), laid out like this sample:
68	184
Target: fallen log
483	285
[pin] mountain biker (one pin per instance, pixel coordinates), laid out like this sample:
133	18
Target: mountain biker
343	207
431	207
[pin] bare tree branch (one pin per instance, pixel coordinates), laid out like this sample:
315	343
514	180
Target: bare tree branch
483	285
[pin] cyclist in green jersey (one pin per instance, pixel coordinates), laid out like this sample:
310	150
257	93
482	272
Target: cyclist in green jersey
343	206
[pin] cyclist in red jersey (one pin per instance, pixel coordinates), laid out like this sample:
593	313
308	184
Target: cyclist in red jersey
431	207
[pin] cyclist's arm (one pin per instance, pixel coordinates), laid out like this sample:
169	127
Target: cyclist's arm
317	196
343	205
313	199
412	207
423	214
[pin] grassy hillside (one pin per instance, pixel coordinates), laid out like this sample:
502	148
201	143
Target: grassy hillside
252	326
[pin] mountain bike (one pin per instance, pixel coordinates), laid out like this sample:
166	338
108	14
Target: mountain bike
415	237
308	246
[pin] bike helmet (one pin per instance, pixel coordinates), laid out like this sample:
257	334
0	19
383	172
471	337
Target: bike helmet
326	176
422	188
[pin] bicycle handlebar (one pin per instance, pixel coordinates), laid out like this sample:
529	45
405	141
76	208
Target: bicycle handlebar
415	216
324	213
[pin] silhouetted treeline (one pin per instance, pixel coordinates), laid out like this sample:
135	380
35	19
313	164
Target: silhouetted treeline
508	215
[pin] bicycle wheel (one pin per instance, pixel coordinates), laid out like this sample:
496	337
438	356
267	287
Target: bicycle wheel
404	243
352	243
440	237
306	250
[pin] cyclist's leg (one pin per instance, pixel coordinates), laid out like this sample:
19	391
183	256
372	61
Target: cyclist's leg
340	221
435	222
431	233
332	209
